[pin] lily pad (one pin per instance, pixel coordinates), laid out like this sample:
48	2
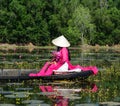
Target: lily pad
18	95
110	103
85	105
38	105
32	101
47	93
24	89
7	105
6	92
14	84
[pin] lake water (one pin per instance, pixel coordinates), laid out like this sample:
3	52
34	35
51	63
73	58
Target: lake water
100	90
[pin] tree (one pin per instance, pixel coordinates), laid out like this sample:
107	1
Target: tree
82	23
39	21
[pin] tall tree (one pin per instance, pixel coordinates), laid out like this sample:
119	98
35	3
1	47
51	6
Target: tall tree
82	23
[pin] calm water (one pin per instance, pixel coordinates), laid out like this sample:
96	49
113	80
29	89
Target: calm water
100	90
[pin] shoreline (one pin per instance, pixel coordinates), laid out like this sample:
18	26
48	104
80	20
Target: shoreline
6	46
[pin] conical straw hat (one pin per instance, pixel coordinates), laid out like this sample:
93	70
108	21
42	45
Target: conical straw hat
61	41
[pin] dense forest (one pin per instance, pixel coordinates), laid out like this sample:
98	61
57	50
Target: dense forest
81	21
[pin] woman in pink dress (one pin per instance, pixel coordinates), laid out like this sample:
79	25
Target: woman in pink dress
58	58
61	56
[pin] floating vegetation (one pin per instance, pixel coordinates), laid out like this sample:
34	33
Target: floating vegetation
7	105
14	83
90	104
42	104
6	92
24	89
32	102
101	89
110	103
18	95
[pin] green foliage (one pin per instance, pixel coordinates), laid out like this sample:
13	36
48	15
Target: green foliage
39	21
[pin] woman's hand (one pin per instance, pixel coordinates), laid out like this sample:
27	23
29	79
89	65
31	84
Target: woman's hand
56	54
53	62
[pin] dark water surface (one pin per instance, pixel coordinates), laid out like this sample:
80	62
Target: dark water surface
100	90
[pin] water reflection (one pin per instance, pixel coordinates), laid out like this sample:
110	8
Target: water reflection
53	94
59	93
62	95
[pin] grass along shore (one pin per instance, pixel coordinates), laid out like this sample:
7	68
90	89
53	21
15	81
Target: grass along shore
31	47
